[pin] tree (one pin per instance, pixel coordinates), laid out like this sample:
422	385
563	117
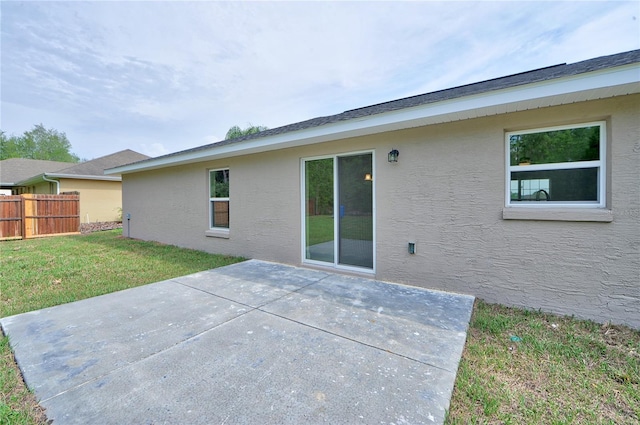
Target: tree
556	146
39	143
8	146
236	131
319	186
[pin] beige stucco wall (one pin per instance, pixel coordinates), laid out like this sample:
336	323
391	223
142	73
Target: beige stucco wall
446	193
100	200
45	188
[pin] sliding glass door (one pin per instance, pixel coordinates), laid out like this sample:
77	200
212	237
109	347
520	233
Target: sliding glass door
319	206
339	233
355	215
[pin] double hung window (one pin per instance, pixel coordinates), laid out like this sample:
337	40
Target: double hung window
557	166
219	198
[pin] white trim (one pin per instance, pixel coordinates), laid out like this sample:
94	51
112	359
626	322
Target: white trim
374	210
336	212
217	231
564	90
84	177
556	166
558	214
40	177
303	209
599	164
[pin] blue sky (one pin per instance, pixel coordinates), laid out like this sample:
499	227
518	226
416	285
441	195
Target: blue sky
163	76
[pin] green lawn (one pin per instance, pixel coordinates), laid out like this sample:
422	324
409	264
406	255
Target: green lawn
320	228
557	371
523	367
40	273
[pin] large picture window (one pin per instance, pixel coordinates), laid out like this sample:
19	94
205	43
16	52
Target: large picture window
219	198
557	166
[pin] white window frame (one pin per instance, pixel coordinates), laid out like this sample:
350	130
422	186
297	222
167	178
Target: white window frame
216	231
336	211
600	164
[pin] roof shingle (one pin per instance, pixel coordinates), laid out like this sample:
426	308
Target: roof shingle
16	170
13	170
529	77
96	167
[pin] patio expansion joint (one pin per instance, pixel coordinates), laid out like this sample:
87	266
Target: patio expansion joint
252	307
261	306
156	353
151	355
249	310
358	342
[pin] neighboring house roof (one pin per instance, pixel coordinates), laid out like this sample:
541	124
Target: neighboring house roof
96	167
13	170
602	77
88	170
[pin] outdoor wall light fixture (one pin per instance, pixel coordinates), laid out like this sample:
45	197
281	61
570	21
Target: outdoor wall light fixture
411	247
393	155
368	177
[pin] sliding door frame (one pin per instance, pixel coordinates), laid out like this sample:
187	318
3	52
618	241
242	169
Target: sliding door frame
336	213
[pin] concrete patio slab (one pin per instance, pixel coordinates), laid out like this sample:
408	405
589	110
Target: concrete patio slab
254	342
384	316
64	346
252	283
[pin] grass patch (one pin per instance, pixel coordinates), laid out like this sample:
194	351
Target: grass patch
557	371
17	404
320	228
521	367
39	273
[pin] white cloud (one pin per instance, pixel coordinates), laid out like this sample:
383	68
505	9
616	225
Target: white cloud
163	76
616	29
154	149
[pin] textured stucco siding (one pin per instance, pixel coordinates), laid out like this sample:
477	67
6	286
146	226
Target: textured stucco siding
100	201
171	206
446	193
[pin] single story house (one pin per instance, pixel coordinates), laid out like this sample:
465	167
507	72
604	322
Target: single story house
13	170
522	190
100	195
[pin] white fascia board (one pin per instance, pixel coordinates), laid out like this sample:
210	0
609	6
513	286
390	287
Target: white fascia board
84	177
34	179
598	82
558	91
39	178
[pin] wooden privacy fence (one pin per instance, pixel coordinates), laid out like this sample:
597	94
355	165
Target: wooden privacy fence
32	216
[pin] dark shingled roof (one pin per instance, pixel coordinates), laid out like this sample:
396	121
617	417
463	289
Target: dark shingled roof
96	167
529	77
13	170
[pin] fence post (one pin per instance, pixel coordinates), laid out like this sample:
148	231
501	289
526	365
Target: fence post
23	220
30	213
52	215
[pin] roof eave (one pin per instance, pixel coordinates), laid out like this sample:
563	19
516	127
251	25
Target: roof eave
609	82
84	177
39	178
